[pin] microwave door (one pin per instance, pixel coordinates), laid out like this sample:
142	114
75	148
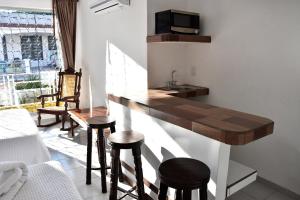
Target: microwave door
183	23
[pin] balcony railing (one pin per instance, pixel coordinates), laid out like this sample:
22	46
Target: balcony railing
24	88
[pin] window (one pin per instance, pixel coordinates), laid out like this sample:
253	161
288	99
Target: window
51	43
28	68
32	47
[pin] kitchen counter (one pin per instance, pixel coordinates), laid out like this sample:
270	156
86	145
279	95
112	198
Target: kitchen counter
222	124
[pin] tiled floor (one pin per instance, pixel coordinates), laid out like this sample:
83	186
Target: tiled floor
71	154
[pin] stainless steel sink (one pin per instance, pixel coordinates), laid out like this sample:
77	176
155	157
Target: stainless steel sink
177	88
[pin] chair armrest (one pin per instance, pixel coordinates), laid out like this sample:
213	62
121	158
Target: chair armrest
70	98
43	96
47	95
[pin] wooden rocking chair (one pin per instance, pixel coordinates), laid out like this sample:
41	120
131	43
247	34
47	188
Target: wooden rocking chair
68	91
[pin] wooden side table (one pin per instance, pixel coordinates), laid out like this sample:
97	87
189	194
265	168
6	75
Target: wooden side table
80	116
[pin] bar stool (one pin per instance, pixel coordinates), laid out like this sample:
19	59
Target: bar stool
184	175
126	140
99	123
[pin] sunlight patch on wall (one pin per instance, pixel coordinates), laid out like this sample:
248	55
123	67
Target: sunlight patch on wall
123	73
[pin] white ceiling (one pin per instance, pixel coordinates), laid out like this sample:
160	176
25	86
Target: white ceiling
31	4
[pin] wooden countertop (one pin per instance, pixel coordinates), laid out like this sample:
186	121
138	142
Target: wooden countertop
222	124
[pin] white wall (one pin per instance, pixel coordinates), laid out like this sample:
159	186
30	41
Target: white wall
114	41
252	65
13	45
163	58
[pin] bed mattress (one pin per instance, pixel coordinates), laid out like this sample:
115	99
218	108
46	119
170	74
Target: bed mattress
20	139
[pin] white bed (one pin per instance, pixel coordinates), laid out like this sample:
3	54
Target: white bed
20	139
48	181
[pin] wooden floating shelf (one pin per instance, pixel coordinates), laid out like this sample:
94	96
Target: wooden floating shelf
178	38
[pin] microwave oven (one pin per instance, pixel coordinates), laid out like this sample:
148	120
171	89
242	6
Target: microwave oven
175	21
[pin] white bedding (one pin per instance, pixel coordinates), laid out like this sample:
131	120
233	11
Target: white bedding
20	139
48	181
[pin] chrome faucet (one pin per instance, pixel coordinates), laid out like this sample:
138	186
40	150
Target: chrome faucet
172	83
173	76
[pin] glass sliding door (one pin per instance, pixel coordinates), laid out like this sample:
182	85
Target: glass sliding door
30	56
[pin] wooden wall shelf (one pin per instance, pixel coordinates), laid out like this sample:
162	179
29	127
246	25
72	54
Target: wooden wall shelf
178	38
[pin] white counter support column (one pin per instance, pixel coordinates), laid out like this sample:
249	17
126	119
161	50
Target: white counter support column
223	164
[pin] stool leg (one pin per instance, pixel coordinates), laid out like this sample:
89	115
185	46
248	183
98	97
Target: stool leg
112	129
139	172
102	158
187	195
63	121
105	150
203	192
89	156
72	126
121	177
115	157
178	195
163	190
39	118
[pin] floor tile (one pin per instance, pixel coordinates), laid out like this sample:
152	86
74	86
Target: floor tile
98	197
240	196
279	196
78	174
71	163
259	190
87	191
56	155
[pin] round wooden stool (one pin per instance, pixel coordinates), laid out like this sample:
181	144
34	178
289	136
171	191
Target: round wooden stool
184	175
126	140
99	123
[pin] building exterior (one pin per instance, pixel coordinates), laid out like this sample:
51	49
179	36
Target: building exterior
27	40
